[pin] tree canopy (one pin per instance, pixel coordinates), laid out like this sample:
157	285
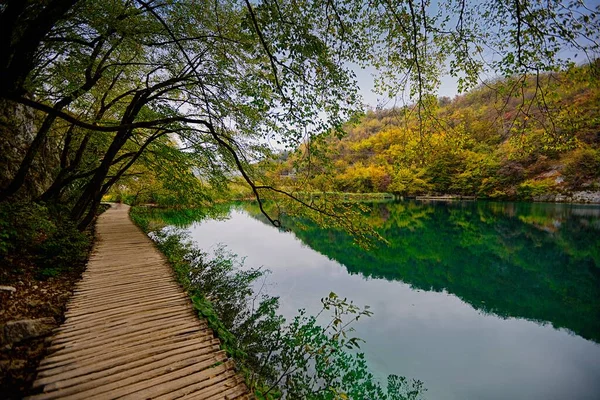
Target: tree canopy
179	89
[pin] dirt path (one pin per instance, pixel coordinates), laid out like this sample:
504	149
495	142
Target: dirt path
130	331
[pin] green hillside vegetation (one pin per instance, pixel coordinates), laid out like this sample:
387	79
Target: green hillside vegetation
507	139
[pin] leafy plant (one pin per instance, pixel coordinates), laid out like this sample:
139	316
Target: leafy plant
303	359
320	362
43	236
581	166
532	188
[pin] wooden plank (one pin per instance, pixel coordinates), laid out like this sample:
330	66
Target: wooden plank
122	361
77	360
208	377
230	387
87	327
122	328
92	300
123	377
130	330
120	286
115	308
196	384
119	326
147	315
125	387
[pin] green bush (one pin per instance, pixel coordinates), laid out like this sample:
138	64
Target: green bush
42	236
581	166
22	226
64	249
301	358
532	188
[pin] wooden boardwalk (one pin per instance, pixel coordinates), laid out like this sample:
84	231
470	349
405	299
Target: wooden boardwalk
131	332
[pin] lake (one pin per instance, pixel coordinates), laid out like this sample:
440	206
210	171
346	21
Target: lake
478	300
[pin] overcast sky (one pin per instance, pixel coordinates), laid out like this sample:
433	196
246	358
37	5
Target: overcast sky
365	80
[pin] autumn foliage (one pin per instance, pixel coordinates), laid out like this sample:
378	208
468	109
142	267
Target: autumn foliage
506	139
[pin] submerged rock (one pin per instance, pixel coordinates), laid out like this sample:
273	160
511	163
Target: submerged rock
16	331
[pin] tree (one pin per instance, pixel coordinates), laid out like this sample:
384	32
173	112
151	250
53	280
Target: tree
109	79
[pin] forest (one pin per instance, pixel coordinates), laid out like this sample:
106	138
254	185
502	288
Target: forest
479	144
184	103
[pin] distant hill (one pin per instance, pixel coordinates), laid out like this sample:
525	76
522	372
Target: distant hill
534	138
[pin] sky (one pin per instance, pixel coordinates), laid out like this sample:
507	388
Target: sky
365	79
449	84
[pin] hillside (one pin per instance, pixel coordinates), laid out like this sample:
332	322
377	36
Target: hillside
534	138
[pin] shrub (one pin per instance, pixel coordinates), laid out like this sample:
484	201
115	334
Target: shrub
533	188
581	166
44	237
296	360
62	250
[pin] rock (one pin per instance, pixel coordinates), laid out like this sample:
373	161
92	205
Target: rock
15	331
56	311
18	364
18	128
585	196
7	289
33	303
64	296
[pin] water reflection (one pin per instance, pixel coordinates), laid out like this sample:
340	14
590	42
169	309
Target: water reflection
540	262
477	300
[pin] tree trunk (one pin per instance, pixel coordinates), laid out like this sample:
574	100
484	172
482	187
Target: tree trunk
94	187
23	25
19	178
65	176
92	193
39	139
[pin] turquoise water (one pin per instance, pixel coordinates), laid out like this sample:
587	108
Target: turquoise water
477	300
